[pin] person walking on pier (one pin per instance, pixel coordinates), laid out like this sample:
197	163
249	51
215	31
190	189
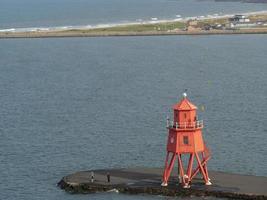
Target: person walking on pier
108	177
92	177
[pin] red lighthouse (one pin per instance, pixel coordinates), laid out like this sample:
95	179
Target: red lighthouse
185	138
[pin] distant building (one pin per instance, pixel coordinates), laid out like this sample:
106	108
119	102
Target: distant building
239	18
241	21
192	25
242	25
216	26
262	22
207	27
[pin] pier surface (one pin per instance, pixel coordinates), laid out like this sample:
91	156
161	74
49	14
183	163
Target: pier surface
148	180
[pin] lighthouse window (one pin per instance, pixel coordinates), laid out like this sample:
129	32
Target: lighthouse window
186	141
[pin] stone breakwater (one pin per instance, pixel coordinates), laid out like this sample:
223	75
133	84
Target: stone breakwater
148	181
82	33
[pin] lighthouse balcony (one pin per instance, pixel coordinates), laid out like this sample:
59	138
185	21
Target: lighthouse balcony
185	125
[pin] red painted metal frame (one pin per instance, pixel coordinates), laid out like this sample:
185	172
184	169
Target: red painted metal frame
185	113
190	172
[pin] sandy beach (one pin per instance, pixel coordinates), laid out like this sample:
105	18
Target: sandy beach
177	26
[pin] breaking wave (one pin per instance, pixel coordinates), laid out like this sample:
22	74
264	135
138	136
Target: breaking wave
152	20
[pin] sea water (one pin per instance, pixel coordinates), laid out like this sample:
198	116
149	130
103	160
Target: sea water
65	13
74	104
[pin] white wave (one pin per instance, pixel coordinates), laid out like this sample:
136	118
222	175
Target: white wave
113	190
153	20
8	30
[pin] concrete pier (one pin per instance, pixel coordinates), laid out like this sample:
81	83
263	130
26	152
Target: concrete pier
148	181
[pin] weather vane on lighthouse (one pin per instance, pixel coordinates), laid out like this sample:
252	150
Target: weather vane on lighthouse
185	139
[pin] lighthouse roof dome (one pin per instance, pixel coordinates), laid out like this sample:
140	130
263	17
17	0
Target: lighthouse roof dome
184	104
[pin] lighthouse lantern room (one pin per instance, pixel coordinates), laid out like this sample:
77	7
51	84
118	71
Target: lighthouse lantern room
185	138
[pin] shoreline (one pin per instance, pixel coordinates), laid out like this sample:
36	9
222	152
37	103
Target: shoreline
180	26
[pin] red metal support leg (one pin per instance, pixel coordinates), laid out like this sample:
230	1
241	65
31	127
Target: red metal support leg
190	166
181	168
171	166
187	176
165	169
202	169
178	170
205	165
168	170
198	168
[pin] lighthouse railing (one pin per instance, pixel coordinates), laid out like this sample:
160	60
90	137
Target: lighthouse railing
185	125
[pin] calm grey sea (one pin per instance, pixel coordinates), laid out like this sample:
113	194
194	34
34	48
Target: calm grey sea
38	13
83	103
